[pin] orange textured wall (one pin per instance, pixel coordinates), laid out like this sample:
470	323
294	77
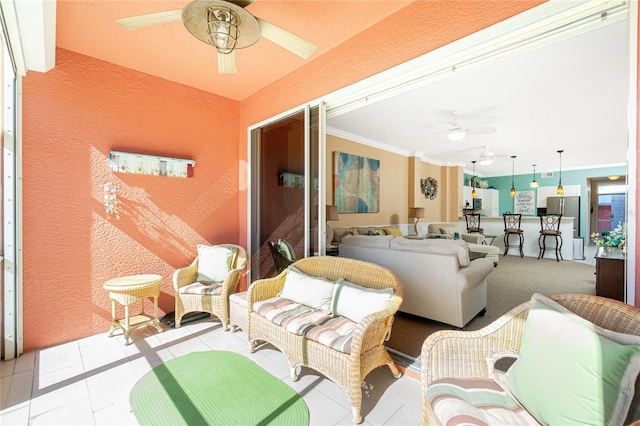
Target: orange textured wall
421	27
73	116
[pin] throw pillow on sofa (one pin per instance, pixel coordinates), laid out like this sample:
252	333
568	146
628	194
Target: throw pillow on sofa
451	230
315	292
570	371
356	302
214	263
393	231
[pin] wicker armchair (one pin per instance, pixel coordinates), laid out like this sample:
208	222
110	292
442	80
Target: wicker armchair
465	354
218	304
367	349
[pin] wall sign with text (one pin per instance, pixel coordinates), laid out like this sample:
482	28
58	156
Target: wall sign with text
524	203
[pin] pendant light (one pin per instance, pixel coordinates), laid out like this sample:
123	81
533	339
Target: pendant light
473	179
533	183
560	190
513	168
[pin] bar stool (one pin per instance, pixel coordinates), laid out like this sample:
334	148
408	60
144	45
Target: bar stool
473	223
550	227
512	227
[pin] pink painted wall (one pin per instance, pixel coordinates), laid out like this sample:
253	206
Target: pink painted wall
73	116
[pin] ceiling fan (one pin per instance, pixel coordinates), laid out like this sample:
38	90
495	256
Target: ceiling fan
459	127
226	25
487	157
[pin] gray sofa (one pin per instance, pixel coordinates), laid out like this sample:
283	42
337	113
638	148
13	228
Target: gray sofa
440	282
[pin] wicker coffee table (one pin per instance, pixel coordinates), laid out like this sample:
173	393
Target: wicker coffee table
127	290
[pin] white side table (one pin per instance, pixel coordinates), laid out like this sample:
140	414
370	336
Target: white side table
127	290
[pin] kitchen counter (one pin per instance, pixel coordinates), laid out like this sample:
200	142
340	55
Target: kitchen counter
531	227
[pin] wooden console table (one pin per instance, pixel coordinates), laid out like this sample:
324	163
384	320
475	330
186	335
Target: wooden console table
610	273
127	290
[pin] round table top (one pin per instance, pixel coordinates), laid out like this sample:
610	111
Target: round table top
132	282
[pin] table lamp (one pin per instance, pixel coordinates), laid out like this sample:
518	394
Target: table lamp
417	212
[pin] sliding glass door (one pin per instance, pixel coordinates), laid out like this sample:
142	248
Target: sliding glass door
286	160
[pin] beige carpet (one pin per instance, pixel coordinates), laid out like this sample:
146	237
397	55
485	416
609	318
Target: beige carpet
511	283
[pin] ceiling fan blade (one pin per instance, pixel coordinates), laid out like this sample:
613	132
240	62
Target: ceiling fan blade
481	130
227	63
284	38
141	21
443	126
241	3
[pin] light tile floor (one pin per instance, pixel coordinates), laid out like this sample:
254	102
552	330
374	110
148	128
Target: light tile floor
87	382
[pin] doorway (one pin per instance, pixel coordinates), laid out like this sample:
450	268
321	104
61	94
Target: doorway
286	184
608	204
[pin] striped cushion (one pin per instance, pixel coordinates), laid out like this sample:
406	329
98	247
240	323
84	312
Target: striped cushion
202	288
294	317
337	333
475	402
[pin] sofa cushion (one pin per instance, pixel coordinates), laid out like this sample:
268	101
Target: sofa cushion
213	289
456	248
294	317
570	370
214	262
379	241
336	333
315	292
365	230
356	302
339	233
475	402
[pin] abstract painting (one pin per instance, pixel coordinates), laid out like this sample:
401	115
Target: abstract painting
356	183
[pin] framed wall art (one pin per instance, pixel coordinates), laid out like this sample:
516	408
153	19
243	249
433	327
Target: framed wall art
356	183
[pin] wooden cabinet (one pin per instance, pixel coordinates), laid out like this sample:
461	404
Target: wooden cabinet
610	273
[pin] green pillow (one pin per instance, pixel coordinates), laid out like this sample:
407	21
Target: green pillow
571	371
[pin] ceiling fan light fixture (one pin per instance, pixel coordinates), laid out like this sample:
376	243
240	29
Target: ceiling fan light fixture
222	28
456	135
486	162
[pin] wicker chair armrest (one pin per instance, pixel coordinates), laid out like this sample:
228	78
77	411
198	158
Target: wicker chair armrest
468	354
185	276
231	281
264	289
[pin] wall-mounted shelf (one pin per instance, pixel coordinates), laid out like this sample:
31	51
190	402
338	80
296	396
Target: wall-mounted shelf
293	180
126	162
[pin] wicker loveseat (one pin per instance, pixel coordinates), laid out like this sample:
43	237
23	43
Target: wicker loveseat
365	350
453	357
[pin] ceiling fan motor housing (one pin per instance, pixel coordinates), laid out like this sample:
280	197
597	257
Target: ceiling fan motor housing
221	24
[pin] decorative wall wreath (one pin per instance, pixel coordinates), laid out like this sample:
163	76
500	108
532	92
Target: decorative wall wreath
429	187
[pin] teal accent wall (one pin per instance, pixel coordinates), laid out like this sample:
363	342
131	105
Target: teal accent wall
569	177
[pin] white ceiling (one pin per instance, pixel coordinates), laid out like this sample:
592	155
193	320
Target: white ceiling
571	95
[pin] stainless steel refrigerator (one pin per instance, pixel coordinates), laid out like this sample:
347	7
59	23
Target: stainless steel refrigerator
566	206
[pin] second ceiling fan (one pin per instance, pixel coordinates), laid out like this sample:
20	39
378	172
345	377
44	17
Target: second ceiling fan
227	26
